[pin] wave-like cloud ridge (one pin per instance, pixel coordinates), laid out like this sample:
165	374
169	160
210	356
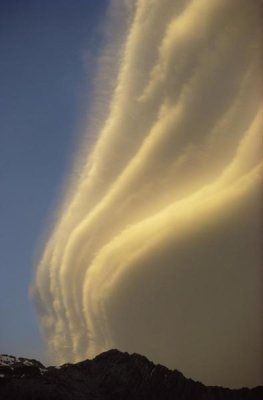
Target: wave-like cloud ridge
157	249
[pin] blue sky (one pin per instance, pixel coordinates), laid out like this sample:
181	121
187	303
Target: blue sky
46	86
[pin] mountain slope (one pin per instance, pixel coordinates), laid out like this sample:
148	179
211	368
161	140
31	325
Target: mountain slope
112	375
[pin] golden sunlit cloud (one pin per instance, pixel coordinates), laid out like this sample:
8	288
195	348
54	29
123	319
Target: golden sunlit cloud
157	248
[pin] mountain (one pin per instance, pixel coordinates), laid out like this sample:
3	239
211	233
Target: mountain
112	375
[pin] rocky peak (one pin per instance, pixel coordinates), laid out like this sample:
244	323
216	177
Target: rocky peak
112	375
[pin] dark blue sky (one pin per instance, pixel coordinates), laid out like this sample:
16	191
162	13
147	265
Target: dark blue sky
45	88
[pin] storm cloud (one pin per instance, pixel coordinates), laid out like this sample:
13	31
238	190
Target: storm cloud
156	249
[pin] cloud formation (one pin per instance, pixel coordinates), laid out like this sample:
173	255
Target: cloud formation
157	248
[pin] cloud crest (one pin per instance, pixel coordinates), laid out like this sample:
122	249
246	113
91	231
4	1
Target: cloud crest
158	249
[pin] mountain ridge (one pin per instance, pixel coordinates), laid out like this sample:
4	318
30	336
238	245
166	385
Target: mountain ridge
112	375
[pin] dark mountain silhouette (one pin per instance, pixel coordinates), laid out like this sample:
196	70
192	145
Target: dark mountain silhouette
112	375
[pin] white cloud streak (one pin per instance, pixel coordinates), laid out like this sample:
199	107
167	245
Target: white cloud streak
157	250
